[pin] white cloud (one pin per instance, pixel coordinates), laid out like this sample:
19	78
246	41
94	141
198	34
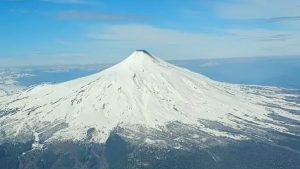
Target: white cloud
114	43
88	15
46	59
69	1
177	44
258	9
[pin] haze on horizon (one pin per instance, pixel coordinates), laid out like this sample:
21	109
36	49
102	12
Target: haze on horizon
92	31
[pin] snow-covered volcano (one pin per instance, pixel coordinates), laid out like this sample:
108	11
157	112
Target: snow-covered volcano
146	91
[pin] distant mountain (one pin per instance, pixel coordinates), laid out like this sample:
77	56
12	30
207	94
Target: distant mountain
147	113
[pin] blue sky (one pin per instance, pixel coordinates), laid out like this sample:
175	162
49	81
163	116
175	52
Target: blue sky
40	32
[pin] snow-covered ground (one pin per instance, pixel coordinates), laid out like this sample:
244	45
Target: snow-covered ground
8	82
144	90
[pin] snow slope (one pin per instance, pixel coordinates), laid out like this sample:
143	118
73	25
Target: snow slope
141	90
